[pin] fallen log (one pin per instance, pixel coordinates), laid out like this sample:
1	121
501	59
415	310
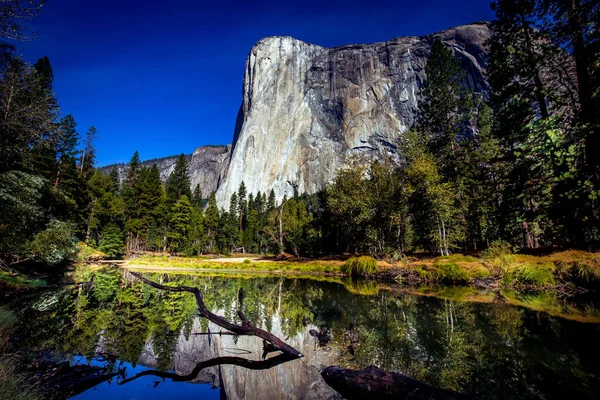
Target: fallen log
246	329
376	383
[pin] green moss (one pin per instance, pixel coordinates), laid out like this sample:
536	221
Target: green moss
357	266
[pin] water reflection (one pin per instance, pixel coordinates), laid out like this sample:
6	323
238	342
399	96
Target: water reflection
492	350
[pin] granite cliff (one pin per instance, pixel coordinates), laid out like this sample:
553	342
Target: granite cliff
306	109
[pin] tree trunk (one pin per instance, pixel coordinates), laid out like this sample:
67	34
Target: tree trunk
527	236
281	230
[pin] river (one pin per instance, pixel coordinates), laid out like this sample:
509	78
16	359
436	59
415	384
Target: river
487	348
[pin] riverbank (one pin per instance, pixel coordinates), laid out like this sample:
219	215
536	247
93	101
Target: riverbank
571	270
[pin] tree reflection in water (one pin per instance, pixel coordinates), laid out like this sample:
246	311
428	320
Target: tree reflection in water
492	350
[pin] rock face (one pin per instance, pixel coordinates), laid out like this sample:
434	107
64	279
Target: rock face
207	165
306	109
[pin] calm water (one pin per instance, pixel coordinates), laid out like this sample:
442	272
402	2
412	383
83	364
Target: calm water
492	350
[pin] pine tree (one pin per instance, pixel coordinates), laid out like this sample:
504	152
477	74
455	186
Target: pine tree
179	226
242	206
178	183
149	199
88	154
271	201
114	177
197	197
112	242
232	226
211	221
44	69
66	148
130	192
442	114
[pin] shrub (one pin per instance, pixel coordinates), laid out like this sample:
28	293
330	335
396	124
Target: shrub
54	245
246	261
498	248
356	266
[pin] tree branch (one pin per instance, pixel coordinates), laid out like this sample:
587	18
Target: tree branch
239	361
246	329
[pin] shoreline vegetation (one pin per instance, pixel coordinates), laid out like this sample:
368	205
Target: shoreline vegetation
570	270
547	283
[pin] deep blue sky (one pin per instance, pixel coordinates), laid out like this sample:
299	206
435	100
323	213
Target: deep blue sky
164	77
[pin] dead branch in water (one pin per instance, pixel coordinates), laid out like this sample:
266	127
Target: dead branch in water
246	329
239	361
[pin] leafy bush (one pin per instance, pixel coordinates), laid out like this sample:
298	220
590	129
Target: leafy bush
498	248
246	261
356	266
54	245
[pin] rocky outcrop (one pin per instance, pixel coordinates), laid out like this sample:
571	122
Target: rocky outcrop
207	166
306	109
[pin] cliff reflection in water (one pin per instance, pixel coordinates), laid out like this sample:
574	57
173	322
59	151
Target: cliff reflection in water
489	350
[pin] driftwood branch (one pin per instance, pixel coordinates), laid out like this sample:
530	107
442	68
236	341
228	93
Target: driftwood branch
239	361
246	329
376	383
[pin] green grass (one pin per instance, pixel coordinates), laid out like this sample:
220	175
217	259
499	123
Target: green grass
13	385
454	258
451	273
458	269
194	263
360	266
540	275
